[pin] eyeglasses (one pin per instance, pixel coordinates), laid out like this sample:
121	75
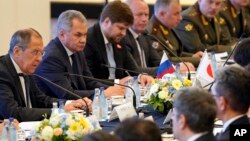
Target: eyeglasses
36	52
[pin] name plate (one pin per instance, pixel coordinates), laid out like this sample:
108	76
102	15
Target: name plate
123	112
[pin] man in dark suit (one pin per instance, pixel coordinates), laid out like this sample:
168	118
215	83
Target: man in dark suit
161	27
231	92
103	44
64	55
139	44
235	14
19	96
201	28
193	115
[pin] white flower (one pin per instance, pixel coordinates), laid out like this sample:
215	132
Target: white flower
47	133
164	94
154	88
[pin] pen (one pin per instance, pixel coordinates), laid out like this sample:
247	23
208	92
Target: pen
127	73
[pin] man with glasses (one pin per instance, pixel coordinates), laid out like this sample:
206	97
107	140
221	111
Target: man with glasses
231	92
193	116
20	98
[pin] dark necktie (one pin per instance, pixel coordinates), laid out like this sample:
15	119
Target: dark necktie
75	69
142	53
74	63
27	87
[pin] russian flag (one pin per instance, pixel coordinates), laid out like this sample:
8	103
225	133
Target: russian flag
165	66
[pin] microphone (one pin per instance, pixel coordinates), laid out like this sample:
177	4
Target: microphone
126	70
229	56
68	91
105	81
169	50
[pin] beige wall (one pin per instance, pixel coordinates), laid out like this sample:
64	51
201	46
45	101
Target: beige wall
19	14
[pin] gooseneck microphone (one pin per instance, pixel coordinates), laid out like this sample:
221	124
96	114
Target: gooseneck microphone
61	88
229	56
105	81
122	69
169	50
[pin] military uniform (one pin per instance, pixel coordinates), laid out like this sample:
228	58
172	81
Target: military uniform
199	33
237	22
171	40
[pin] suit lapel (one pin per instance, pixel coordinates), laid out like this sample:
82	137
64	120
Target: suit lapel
100	42
134	48
12	69
67	63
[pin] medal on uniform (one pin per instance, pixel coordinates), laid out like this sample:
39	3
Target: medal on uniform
206	36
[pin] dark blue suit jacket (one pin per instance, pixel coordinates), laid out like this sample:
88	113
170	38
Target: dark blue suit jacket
55	64
12	103
225	136
96	55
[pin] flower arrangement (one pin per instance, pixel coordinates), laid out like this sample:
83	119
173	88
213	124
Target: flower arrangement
64	126
161	92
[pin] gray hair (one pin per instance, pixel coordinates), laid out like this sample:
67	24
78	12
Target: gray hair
22	38
162	4
65	19
198	107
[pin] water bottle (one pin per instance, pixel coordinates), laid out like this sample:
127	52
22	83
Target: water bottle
129	94
137	91
96	107
12	130
6	131
104	105
177	71
61	105
55	109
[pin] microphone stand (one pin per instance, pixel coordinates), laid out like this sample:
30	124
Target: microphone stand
68	91
169	50
126	70
229	56
105	81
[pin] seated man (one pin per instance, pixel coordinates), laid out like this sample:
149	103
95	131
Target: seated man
138	44
64	56
138	130
242	53
193	116
201	28
103	45
20	97
231	92
236	17
162	27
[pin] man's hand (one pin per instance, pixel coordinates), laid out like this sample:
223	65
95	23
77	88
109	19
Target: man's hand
183	68
198	54
114	90
78	104
145	79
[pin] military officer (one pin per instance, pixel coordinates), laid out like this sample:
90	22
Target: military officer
235	14
161	26
201	28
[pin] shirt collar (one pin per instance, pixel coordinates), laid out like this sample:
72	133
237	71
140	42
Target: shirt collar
69	52
18	70
227	123
134	34
104	37
196	136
